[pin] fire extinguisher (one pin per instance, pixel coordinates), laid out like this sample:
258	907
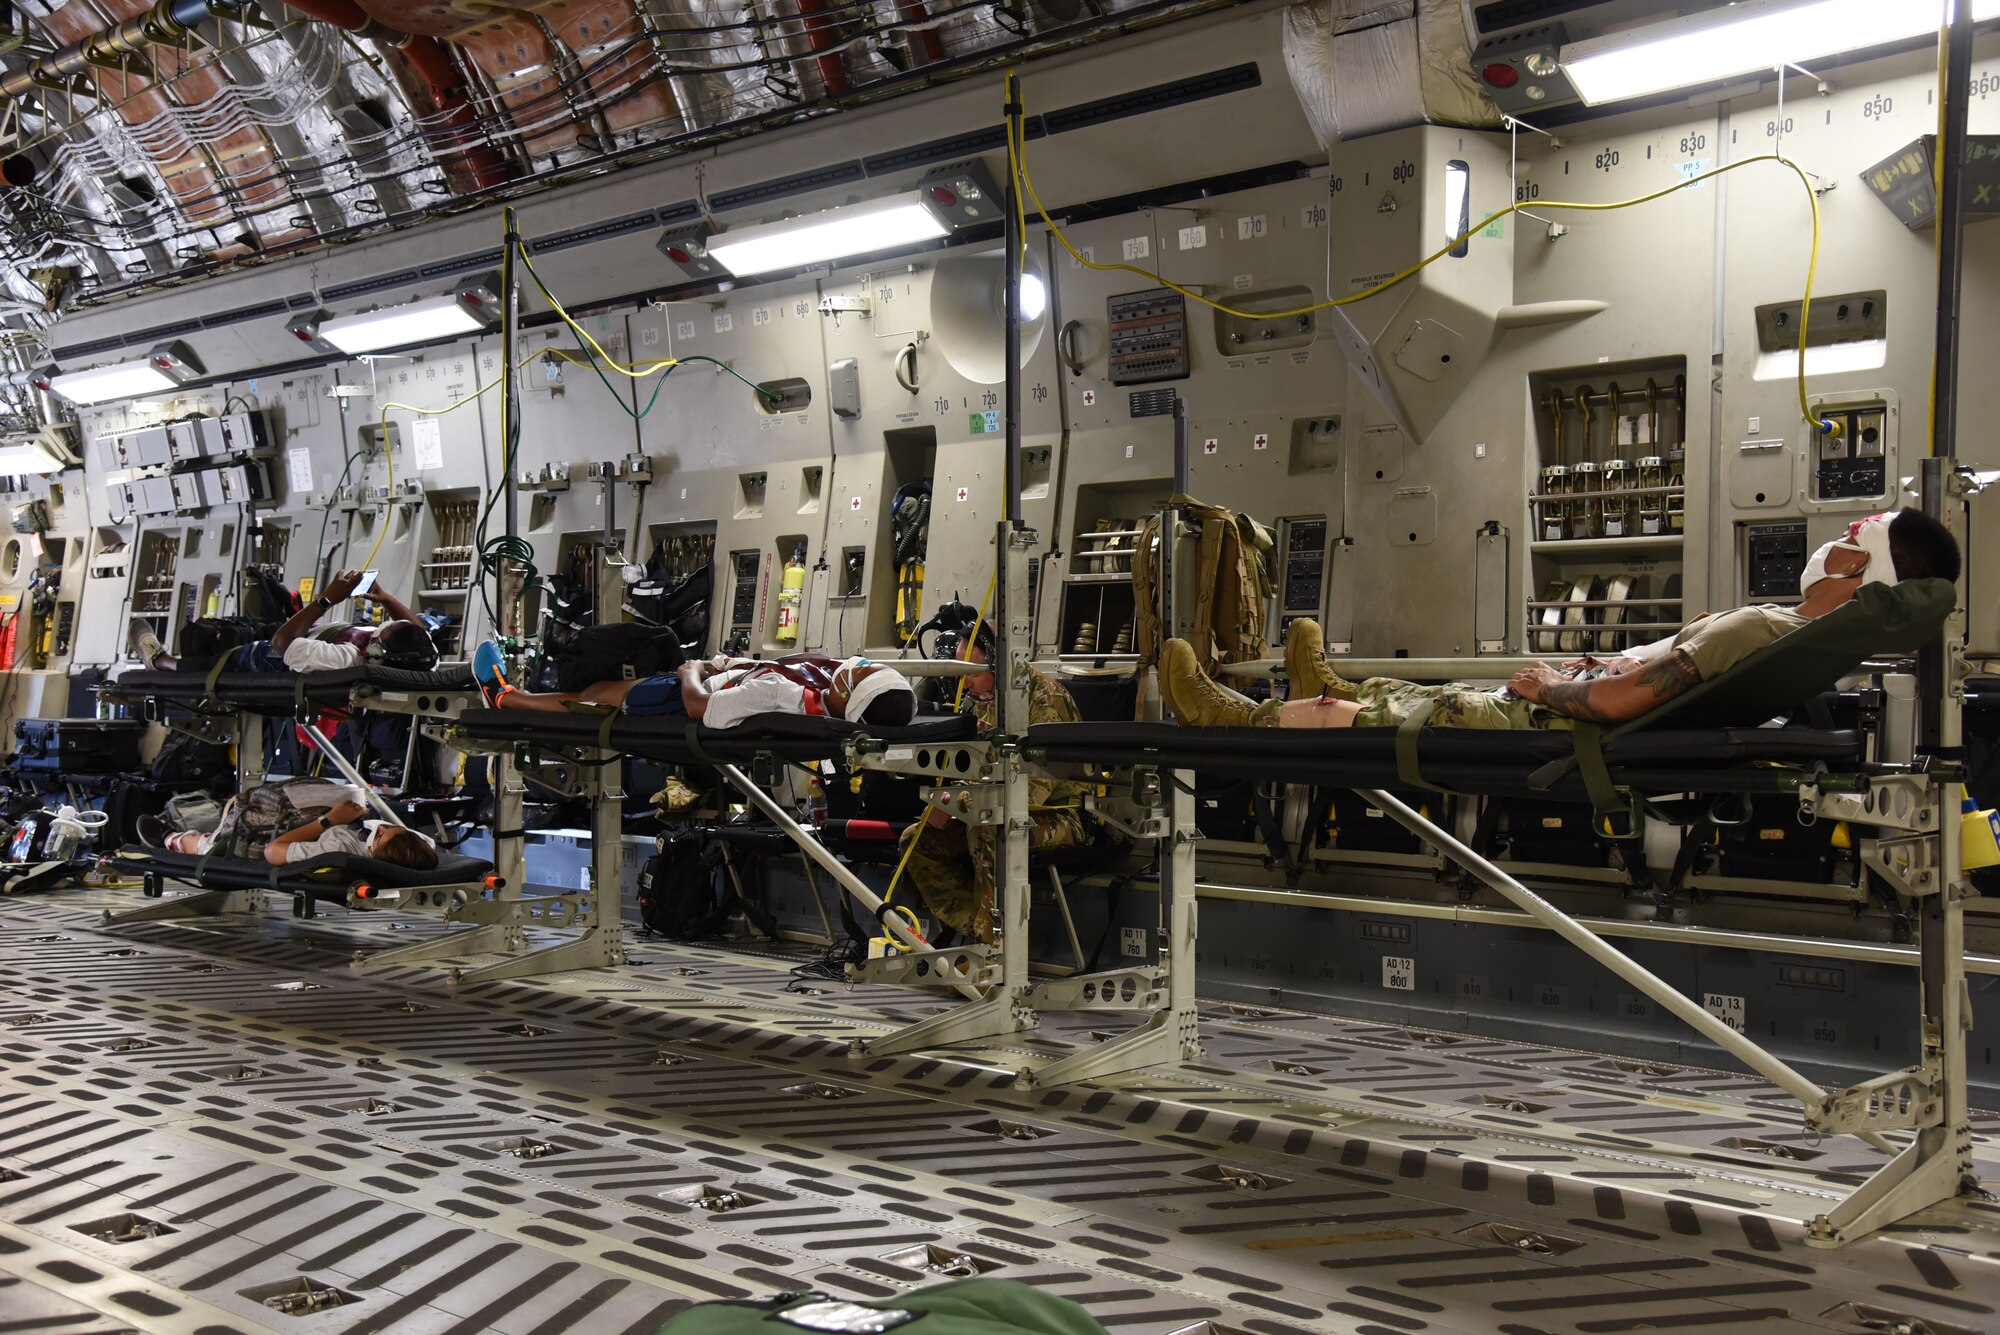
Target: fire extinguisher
790	594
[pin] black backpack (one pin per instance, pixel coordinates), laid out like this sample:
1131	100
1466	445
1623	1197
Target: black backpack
208	638
616	652
682	892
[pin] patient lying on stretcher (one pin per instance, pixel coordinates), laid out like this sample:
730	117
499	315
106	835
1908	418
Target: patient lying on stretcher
302	645
296	820
1886	548
722	692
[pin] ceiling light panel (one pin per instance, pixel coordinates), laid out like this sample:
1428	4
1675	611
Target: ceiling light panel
425	321
831	234
1742	39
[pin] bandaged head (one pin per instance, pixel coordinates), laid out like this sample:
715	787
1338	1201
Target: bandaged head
1869	537
862	683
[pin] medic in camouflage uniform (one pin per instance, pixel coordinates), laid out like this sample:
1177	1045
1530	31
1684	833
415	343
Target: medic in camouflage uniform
954	864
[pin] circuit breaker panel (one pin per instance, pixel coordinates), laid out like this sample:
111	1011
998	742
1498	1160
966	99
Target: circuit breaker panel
1149	336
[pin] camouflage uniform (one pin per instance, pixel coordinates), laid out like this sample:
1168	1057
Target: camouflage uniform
1387	702
1714	644
954	865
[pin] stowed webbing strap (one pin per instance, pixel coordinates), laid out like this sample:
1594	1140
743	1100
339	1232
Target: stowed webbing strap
299	702
214	675
604	731
1409	735
1597	782
1264	807
201	866
691	734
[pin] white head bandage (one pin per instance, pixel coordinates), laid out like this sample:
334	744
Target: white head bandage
863	691
1868	536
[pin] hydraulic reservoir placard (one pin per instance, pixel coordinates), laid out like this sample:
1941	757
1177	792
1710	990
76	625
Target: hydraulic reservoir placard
1149	336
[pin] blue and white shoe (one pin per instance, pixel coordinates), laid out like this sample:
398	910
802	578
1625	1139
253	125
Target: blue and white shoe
488	669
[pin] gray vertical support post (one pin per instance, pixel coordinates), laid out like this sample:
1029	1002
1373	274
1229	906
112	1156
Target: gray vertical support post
1932	668
607	858
1013	241
1180	446
249	751
1011	876
510	297
510	843
1937	1164
602	943
1179	902
1172	1031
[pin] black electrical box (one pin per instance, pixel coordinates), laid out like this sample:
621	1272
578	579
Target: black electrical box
1776	557
1850	463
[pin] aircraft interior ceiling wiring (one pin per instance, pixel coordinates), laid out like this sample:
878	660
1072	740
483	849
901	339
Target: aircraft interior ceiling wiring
118	187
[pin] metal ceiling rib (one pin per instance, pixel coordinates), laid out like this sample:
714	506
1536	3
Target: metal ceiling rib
592	1151
1214	83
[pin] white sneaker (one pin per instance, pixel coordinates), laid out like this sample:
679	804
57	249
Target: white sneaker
147	645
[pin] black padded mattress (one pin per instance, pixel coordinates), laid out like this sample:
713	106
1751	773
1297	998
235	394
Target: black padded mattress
679	741
328	877
278	693
1457	759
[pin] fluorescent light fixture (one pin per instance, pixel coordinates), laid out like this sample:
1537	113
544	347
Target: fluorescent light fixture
831	234
31	454
1743	39
166	367
469	309
945	200
424	321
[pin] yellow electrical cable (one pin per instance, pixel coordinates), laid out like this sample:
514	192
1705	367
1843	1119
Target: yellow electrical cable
567	319
382	434
1018	164
890	893
639	370
992	581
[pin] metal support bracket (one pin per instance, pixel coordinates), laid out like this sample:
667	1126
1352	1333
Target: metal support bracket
1895	801
1898	1100
1112	990
930	968
419	705
197	904
1910	864
201	727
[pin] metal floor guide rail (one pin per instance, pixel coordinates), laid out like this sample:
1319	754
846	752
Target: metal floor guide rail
214	1127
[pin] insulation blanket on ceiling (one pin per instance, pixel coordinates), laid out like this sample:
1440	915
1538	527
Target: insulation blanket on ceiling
1360	67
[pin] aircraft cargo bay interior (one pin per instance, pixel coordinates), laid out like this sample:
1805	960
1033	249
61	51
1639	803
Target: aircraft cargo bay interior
1166	667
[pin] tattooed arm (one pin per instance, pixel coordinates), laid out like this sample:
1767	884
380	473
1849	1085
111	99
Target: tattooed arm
1608	699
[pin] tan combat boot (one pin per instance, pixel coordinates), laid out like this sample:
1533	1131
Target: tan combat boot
1306	667
1192	698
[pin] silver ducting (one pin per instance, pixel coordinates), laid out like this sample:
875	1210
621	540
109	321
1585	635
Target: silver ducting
1361	67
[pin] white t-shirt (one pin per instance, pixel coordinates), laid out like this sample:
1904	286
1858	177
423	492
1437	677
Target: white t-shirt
740	692
337	839
309	655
